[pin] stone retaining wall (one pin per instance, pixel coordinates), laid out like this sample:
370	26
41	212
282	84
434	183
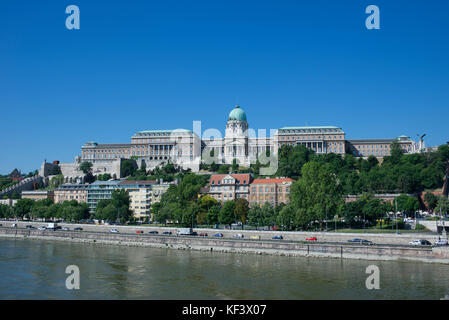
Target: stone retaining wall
438	255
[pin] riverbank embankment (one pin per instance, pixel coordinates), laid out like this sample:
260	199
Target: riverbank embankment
271	247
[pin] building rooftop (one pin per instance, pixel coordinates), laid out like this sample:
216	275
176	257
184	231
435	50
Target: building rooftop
138	182
237	114
241	178
162	133
312	129
68	186
275	180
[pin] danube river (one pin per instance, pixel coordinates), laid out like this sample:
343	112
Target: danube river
35	269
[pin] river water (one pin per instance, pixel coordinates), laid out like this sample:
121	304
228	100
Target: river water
35	269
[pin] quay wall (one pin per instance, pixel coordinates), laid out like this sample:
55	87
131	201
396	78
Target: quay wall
271	247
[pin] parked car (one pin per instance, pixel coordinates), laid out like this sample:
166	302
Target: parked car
278	237
139	231
65	229
78	229
14	225
167	232
219	235
420	242
41	228
238	236
441	242
255	237
30	227
203	234
113	231
311	239
1	225
153	232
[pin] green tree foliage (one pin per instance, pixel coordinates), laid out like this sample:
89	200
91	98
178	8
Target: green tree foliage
442	205
286	218
224	169
128	167
241	210
431	200
6	212
292	159
104	177
56	181
316	195
177	201
227	213
407	204
398	173
85	167
22	208
235	165
116	208
212	215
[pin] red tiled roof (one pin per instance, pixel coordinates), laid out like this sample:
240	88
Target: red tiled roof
241	178
277	180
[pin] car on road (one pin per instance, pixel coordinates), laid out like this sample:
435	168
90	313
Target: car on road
113	231
14	225
41	228
441	242
361	241
65	229
153	232
203	234
167	232
311	239
139	231
30	227
255	237
219	235
278	237
1	225
238	236
420	242
78	229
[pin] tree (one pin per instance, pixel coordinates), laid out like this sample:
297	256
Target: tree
407	204
317	195
86	167
227	215
104	177
128	167
241	210
23	207
115	208
235	165
6	211
431	200
285	217
56	181
212	215
442	206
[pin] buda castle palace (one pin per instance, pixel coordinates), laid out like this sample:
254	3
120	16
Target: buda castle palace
188	148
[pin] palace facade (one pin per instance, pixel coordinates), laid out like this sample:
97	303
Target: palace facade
240	142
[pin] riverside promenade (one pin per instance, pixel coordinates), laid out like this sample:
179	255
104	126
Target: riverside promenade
286	247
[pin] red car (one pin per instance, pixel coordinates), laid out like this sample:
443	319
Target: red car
311	239
139	231
203	234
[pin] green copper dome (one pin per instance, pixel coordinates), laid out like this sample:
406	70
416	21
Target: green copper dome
237	114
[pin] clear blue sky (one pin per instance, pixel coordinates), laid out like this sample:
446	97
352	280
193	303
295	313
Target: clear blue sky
140	65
